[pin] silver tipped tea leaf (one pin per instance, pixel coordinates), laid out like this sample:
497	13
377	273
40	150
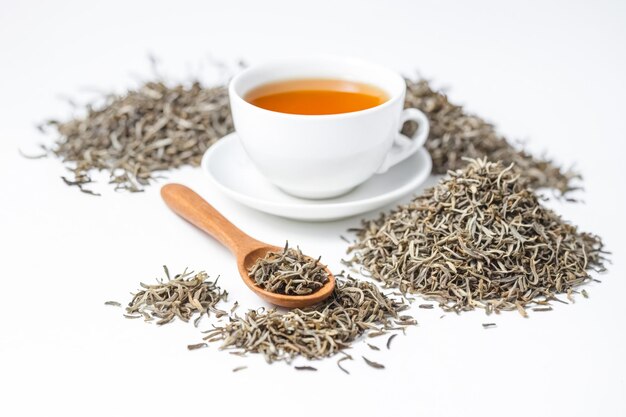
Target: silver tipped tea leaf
305	368
373	364
197	346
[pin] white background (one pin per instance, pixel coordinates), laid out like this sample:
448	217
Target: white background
550	72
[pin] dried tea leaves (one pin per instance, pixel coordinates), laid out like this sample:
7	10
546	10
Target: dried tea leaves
316	332
347	357
183	296
305	368
289	272
373	364
135	135
456	134
480	238
197	346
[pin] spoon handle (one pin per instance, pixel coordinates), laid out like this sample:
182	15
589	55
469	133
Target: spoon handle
190	206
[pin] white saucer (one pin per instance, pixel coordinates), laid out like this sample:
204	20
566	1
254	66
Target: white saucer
230	169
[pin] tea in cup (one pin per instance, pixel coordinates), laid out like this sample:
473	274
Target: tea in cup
318	127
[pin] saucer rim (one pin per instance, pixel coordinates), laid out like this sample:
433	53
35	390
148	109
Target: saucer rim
394	194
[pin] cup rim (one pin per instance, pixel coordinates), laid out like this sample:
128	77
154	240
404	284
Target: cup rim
234	95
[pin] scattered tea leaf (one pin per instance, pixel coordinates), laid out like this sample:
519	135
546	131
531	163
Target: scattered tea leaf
305	368
112	303
234	307
197	346
373	347
373	364
389	340
488	325
341	360
239	368
80	184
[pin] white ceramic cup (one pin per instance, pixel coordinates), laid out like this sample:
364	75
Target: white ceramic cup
323	156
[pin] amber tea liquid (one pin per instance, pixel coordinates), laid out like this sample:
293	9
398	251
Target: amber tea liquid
315	96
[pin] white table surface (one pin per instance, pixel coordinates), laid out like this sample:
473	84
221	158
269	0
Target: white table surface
549	72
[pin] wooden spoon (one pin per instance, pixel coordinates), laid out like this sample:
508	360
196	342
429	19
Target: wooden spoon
193	208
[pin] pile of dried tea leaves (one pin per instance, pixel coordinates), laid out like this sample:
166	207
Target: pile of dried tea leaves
182	296
355	307
480	238
289	272
142	132
456	134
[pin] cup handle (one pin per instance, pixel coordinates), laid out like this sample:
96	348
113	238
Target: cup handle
403	147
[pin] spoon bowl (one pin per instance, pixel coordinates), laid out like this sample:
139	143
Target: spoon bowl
193	208
290	301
